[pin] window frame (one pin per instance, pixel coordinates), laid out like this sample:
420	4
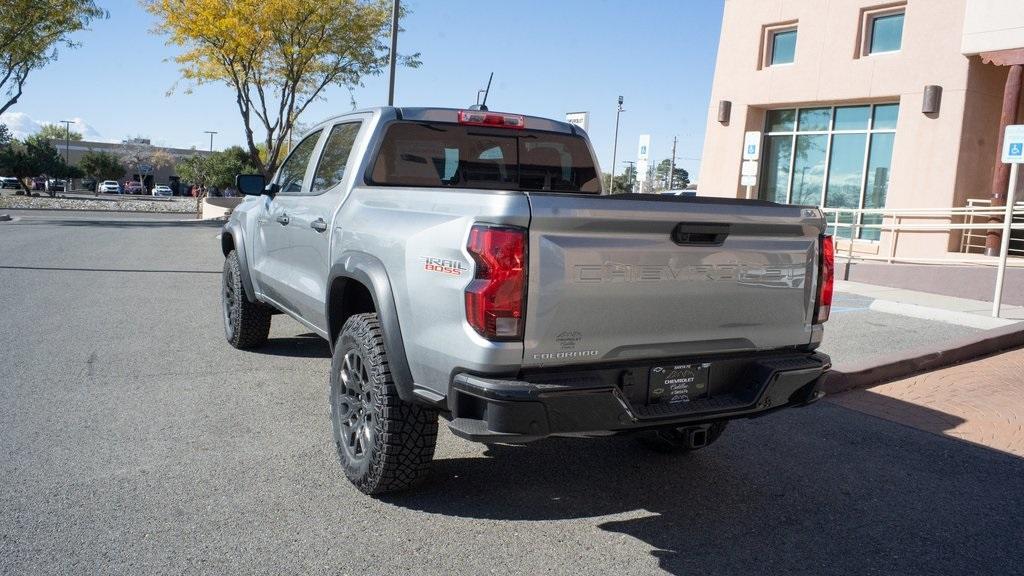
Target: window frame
319	133
870	130
768	34
866	27
322	147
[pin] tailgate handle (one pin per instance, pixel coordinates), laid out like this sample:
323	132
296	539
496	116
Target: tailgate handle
687	234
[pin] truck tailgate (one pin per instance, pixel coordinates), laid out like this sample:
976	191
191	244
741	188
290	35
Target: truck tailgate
633	277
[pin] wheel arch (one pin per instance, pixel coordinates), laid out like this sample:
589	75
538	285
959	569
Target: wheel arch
358	281
231	239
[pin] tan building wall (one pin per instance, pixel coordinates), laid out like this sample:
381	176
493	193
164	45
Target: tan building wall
939	160
162	175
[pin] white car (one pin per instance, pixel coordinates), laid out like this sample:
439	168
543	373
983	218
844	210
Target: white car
162	190
110	187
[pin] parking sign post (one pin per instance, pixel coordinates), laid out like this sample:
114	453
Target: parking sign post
1013	154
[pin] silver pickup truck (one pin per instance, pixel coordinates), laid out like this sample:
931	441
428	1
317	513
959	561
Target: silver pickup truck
465	263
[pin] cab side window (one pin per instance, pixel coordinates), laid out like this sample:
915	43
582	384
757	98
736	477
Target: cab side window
293	171
334	158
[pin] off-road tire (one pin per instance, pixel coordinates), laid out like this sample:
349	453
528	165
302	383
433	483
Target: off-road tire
246	324
384	443
670	440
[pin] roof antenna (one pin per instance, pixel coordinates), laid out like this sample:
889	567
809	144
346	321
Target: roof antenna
483	105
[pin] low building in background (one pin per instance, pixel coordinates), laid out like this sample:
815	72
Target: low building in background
867	104
166	175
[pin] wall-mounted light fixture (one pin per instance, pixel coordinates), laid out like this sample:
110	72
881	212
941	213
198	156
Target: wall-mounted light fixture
724	109
932	99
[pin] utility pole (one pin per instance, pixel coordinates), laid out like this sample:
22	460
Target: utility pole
632	174
393	58
67	124
615	146
211	133
672	165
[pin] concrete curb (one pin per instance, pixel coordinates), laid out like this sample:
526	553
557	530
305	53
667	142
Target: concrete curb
99	210
916	361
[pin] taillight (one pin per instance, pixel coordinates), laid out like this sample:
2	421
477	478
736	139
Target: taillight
495	299
493	119
826	276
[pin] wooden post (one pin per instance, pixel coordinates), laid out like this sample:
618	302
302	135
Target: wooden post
1001	176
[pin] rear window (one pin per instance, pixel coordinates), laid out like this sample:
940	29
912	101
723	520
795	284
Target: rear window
455	156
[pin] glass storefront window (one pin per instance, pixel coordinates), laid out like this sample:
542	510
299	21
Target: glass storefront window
836	157
815	119
887	33
809	168
777	152
886	116
877	185
852	117
781	120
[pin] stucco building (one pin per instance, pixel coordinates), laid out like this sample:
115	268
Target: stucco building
158	175
866	104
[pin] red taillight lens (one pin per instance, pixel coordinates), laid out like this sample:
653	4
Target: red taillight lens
826	276
495	299
493	119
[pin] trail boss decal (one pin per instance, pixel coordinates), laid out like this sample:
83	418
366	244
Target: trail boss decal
443	265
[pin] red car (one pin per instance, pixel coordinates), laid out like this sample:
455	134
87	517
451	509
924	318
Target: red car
133	187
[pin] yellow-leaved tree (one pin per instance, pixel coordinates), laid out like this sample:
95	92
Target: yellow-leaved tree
277	55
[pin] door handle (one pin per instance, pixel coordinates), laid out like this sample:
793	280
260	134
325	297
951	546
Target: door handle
283	219
319	225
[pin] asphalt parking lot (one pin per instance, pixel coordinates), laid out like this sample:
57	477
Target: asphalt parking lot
133	439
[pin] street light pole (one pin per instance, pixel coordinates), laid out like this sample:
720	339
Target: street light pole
211	133
393	58
67	124
615	147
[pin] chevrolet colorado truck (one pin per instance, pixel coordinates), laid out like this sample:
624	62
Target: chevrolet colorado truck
465	263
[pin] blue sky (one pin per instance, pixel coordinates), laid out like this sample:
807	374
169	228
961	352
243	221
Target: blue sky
548	57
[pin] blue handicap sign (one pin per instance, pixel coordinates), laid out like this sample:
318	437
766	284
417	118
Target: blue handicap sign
1017	149
752	148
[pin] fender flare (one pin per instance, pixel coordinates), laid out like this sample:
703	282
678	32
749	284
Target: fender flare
370	272
233	230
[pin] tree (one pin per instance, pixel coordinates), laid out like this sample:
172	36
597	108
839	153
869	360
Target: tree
31	31
58	133
623	182
101	166
277	55
31	157
681	178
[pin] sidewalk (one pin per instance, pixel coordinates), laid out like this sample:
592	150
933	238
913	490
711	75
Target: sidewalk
980	402
931	306
971	282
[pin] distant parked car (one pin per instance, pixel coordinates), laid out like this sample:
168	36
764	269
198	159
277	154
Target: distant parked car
110	187
162	190
133	187
39	183
56	185
9	182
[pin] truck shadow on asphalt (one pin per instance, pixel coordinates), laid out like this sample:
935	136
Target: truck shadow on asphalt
307	345
818	490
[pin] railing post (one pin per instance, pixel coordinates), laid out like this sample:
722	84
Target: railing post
1004	247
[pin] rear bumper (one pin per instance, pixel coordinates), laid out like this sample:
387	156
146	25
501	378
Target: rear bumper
598	402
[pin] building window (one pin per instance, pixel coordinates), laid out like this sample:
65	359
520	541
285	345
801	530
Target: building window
831	156
881	29
783	47
886	33
778	44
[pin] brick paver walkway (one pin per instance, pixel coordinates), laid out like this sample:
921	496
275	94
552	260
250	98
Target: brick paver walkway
980	402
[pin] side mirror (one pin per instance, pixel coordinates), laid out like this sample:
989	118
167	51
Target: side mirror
250	184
